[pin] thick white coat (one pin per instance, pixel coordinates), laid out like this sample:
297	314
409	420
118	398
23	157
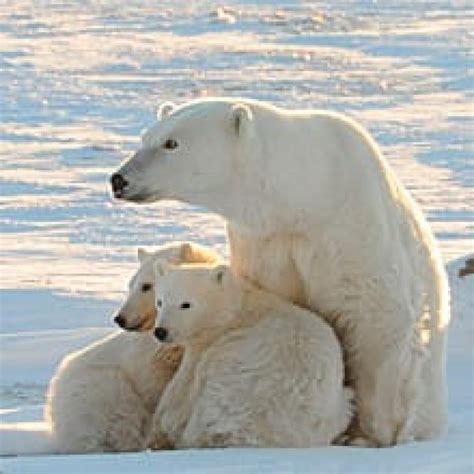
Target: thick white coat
102	397
257	370
316	215
138	312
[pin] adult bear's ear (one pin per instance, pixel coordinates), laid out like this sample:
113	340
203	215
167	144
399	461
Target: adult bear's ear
165	109
220	273
142	254
161	267
241	117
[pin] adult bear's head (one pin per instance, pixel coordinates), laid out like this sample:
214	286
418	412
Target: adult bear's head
199	153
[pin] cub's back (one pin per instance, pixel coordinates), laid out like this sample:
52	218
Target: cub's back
286	346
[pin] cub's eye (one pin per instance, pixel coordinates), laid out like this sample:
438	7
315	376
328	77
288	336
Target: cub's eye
146	287
185	305
159	303
170	144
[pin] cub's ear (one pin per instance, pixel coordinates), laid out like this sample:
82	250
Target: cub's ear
220	274
241	117
142	254
161	267
187	252
165	109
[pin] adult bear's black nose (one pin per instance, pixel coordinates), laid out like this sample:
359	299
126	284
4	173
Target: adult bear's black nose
161	334
119	183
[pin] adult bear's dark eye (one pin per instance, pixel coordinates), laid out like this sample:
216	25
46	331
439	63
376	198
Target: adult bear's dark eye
170	144
185	305
146	287
159	303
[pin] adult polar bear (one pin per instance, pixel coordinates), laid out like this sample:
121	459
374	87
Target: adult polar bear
316	215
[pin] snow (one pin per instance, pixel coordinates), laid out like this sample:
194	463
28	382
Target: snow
412	458
79	80
23	432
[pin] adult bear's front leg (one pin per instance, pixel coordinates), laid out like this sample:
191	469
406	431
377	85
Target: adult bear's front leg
386	374
157	439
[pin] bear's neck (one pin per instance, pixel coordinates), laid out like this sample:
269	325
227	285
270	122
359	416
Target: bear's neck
264	210
278	187
200	341
242	208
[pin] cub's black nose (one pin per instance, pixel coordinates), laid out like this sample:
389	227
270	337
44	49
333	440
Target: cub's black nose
120	321
119	183
161	334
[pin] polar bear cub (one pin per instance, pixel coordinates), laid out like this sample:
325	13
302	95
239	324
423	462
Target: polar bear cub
256	371
102	398
138	313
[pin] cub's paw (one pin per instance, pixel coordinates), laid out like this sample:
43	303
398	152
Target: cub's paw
170	355
159	442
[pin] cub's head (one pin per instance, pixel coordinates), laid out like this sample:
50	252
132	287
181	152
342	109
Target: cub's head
138	312
193	300
189	155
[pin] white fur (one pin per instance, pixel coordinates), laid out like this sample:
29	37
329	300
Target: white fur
257	370
317	216
102	398
138	310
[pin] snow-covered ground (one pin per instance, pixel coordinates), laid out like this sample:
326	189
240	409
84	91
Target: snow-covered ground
80	79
